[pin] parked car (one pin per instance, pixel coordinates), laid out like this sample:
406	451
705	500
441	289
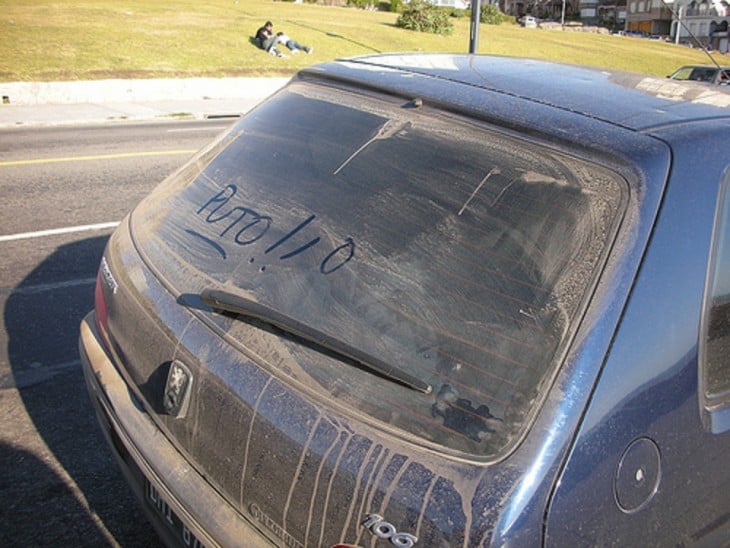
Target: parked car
529	21
431	300
698	73
634	33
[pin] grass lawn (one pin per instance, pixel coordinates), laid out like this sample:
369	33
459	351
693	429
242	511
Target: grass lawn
92	39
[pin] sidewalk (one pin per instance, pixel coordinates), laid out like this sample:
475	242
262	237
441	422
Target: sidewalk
27	104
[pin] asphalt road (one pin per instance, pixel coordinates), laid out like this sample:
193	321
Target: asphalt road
63	190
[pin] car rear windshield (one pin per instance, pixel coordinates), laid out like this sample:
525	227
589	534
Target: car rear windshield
456	253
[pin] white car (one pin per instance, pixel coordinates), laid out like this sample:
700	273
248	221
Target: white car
528	21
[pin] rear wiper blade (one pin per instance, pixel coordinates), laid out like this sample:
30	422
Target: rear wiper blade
228	302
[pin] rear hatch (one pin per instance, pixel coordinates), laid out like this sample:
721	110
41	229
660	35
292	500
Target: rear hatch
357	283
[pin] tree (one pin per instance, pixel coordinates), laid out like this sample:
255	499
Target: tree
423	16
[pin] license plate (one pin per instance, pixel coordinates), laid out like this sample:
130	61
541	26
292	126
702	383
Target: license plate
181	532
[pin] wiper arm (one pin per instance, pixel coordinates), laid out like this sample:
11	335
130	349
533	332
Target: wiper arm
222	300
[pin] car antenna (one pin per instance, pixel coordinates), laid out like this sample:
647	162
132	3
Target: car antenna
691	34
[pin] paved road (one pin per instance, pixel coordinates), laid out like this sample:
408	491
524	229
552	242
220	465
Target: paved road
63	190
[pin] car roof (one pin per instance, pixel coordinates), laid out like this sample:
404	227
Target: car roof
632	101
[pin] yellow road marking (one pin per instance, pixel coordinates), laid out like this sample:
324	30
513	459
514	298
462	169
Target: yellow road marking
97	157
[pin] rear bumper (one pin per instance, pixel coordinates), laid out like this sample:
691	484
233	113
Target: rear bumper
174	496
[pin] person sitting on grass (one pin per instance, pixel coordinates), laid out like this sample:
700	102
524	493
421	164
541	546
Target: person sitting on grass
267	40
293	45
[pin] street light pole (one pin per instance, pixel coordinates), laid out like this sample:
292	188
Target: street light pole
474	31
678	26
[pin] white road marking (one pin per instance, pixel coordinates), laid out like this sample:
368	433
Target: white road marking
40	288
57	231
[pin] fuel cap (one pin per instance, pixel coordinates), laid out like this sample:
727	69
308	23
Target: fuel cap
638	475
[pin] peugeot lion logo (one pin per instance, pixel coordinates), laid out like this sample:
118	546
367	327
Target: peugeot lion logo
177	389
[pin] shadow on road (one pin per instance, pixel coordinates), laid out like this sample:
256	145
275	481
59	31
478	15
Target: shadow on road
42	316
47	516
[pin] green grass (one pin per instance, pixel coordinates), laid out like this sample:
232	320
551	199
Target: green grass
67	40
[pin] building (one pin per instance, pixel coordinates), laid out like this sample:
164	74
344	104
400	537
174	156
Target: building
699	23
650	17
544	9
457	4
606	13
706	20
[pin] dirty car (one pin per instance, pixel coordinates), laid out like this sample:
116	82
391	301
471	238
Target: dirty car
430	300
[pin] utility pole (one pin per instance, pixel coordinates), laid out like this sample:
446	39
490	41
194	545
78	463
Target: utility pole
678	26
474	32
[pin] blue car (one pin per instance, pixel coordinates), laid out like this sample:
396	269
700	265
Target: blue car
431	300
